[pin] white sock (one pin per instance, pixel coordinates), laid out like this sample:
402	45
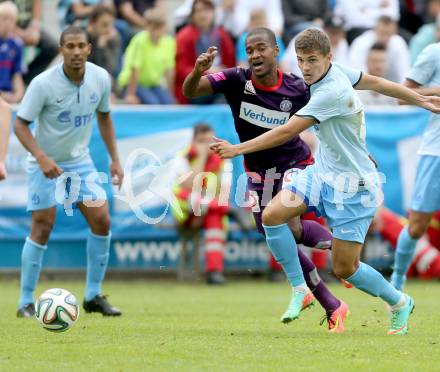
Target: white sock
400	304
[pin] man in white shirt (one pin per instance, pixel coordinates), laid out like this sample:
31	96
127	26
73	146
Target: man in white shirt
385	32
243	9
376	65
360	15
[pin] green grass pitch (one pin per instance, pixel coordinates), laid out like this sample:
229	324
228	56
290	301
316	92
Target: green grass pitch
193	327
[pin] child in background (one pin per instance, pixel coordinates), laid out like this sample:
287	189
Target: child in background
147	74
11	55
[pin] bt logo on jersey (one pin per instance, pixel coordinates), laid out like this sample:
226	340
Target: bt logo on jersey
82	120
78	120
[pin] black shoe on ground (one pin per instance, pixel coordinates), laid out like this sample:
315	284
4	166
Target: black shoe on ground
27	311
215	278
99	304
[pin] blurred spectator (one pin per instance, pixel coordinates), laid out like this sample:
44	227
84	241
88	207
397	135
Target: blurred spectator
11	55
334	27
29	30
427	34
411	18
376	65
257	19
289	62
194	39
223	11
105	40
78	11
243	9
398	60
132	11
130	16
195	161
434	230
426	261
302	14
361	15
148	61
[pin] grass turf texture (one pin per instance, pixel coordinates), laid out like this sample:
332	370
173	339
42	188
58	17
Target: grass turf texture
168	326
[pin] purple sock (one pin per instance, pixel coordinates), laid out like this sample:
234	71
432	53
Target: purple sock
315	235
329	302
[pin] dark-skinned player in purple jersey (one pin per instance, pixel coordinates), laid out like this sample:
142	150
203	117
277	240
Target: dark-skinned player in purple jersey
261	98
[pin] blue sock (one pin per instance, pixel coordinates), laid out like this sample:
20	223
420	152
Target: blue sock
31	262
406	247
98	247
283	247
372	282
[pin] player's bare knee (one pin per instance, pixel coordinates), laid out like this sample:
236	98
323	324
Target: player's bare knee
101	225
344	269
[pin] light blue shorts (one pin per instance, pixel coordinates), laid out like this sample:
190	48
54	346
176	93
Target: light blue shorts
426	194
80	182
349	215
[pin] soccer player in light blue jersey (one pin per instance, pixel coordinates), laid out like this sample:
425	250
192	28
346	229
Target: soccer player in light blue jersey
5	127
343	183
425	79
62	101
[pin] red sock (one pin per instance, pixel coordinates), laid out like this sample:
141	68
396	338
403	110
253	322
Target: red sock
215	236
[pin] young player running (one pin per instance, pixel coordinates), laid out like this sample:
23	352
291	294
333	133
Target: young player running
64	100
426	195
343	183
261	98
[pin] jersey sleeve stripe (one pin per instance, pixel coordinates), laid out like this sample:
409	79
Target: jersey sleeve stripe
309	117
357	82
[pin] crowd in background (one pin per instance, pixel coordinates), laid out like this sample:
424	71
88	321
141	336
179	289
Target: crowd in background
148	51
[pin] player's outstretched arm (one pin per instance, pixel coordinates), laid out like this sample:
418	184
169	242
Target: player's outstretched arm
195	84
272	138
399	91
107	131
424	91
5	127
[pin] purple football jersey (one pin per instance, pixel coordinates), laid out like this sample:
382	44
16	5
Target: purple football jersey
257	109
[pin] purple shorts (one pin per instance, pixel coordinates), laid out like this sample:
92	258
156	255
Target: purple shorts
262	192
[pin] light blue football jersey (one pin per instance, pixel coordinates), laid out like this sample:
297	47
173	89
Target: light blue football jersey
426	71
63	111
342	159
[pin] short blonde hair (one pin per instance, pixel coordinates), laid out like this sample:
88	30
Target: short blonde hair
155	17
8	7
313	40
258	16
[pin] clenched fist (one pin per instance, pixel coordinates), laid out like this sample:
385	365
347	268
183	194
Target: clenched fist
205	60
